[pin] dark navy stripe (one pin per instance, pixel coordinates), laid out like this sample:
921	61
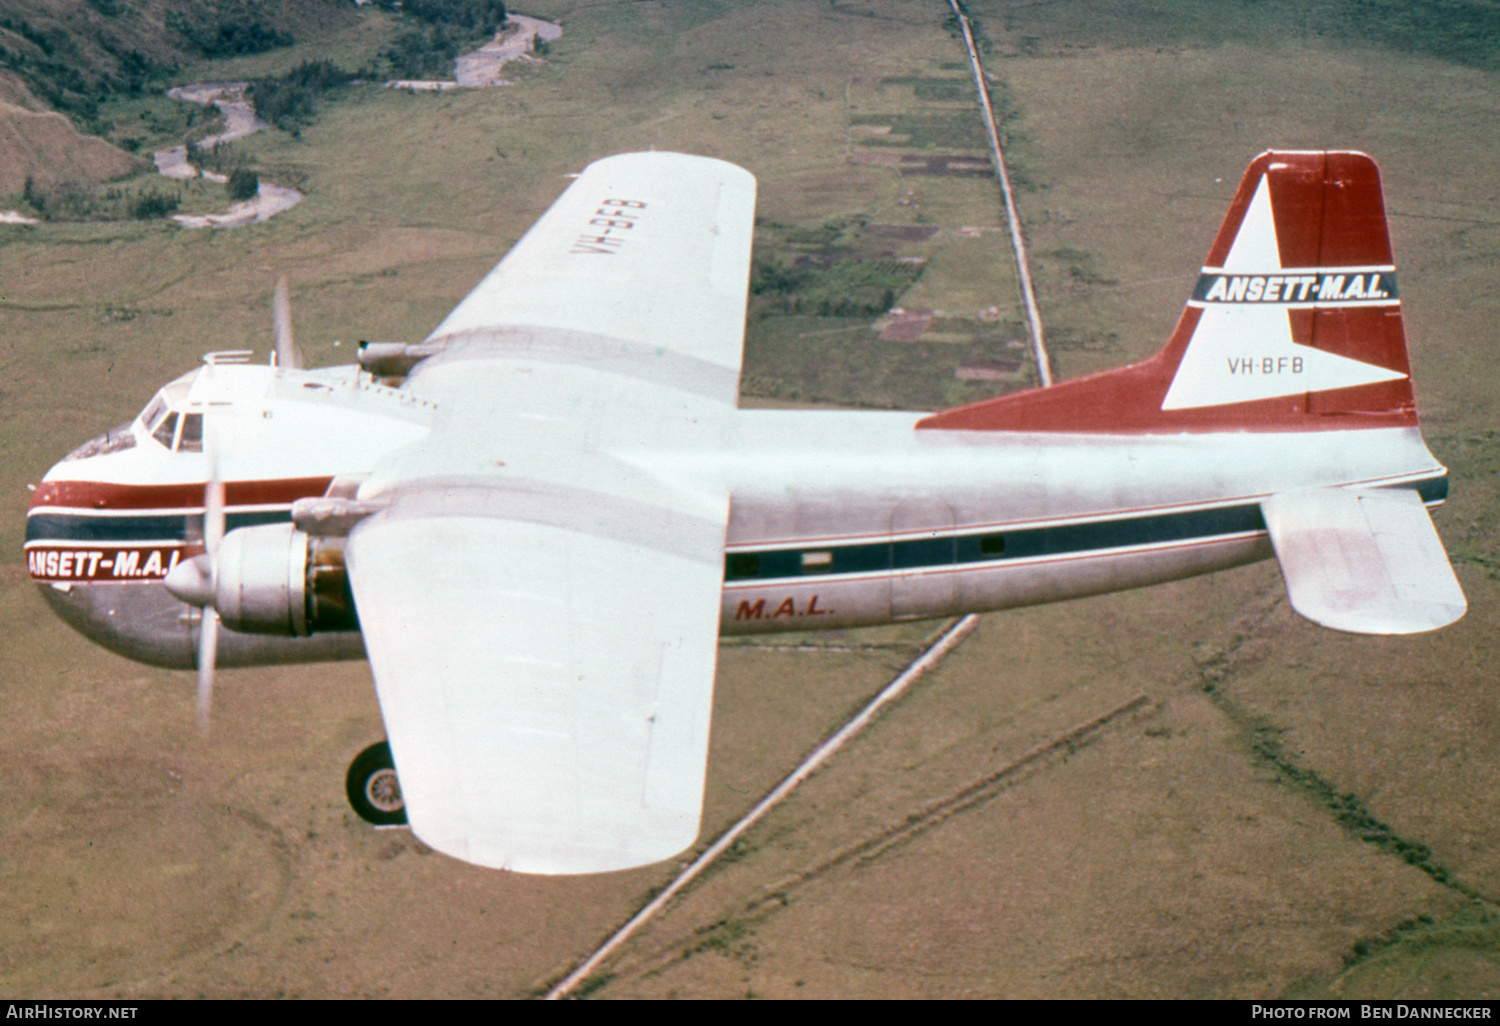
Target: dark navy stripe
1434	489
67	527
1022	543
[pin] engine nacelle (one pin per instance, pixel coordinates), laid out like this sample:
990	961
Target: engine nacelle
275	579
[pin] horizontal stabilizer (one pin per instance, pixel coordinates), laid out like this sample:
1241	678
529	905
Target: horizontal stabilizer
1368	562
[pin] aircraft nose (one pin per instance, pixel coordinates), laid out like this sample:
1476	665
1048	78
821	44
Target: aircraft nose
47	493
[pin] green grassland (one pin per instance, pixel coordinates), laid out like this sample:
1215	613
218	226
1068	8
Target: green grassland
1294	812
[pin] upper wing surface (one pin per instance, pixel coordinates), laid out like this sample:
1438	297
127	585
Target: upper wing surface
1366	561
651	249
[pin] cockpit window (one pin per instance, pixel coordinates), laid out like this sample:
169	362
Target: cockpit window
192	433
154	413
166	430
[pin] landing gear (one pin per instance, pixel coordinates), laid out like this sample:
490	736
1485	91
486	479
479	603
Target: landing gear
373	788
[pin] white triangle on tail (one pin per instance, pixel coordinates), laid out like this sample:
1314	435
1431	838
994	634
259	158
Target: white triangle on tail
1242	353
1255	247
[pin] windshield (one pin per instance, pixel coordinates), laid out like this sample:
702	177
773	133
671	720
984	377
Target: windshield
180	432
161	421
166	430
190	439
154	413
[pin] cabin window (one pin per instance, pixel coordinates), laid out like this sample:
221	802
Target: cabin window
992	545
740	565
819	562
192	433
166	430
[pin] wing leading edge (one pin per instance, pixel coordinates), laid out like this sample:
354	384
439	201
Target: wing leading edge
652	249
1367	561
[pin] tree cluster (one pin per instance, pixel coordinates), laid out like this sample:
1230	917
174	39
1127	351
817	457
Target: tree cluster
830	287
243	181
228	37
73	201
477	17
243	184
290	101
446	28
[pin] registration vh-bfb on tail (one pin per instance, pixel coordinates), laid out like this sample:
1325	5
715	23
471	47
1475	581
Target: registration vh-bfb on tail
537	522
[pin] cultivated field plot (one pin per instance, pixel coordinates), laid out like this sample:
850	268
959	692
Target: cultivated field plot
1271	809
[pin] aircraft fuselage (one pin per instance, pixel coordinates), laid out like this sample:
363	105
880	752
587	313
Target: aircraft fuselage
838	519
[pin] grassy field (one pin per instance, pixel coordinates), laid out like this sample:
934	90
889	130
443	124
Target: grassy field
1288	812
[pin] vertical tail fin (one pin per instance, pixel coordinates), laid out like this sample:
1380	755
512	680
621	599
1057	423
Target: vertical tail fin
1295	323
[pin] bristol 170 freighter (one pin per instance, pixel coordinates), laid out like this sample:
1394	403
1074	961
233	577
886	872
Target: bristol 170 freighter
537	522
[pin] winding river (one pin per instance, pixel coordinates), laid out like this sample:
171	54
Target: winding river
476	70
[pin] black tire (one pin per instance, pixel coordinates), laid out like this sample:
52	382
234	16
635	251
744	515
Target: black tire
373	788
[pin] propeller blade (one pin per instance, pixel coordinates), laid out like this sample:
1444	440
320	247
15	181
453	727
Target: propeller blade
213	513
208	655
286	353
213	534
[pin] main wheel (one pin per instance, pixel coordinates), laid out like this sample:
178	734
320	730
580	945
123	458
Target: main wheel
373	788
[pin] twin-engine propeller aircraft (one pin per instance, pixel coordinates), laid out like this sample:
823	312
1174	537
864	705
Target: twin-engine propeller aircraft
546	513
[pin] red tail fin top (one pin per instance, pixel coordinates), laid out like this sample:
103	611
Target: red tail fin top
1295	324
